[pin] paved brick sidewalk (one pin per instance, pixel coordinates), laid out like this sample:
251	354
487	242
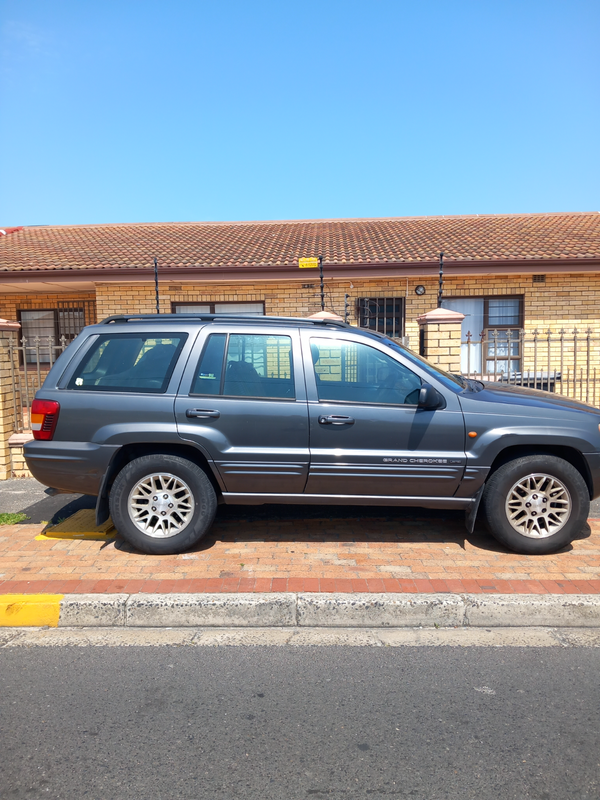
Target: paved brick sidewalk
294	549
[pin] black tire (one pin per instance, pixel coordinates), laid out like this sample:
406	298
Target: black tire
180	500
550	525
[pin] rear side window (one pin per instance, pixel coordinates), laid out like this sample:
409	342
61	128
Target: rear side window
246	365
128	363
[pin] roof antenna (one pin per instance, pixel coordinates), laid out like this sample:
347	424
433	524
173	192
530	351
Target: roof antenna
156	284
441	288
322	287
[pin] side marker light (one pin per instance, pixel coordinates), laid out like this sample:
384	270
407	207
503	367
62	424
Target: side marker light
472	434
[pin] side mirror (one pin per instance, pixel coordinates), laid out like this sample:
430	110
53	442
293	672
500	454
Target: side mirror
429	398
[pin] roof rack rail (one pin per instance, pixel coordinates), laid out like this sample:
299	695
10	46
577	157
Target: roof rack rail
117	318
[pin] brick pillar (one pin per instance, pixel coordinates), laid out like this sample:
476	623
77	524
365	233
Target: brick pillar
7	411
440	337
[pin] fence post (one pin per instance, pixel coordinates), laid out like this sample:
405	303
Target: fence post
7	409
440	335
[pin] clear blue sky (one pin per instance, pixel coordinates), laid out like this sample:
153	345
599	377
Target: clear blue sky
147	110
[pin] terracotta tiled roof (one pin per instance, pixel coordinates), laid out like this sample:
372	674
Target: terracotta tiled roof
350	241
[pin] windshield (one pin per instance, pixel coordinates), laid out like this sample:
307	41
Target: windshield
450	381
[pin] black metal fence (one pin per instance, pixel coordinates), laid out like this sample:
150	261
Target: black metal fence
30	362
565	361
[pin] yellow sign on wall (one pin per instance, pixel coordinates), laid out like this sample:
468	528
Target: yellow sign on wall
308	263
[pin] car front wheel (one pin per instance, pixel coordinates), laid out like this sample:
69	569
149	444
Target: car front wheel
536	504
162	504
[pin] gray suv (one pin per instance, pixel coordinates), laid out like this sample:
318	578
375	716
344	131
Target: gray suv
162	417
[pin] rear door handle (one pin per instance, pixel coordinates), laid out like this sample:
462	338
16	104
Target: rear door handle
335	419
202	413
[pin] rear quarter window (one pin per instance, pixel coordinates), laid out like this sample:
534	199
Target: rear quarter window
128	363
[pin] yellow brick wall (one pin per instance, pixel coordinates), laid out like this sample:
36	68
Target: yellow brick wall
442	344
7	417
562	302
19	468
11	303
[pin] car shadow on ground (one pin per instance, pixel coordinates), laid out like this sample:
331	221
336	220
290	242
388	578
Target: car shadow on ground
56	508
416	524
299	523
347	525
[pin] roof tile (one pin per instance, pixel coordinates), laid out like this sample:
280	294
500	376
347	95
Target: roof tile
350	241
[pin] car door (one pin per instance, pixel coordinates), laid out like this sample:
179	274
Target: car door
243	400
367	434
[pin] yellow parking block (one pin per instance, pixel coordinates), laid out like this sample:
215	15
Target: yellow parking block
26	610
82	525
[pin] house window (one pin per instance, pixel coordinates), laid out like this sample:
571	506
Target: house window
61	324
491	333
382	314
243	309
71	321
502	325
37	324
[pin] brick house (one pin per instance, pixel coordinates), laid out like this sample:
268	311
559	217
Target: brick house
514	277
518	271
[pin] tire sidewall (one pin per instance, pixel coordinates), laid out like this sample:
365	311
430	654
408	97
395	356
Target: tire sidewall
204	498
502	481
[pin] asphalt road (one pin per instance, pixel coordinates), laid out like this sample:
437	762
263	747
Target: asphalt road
28	496
283	723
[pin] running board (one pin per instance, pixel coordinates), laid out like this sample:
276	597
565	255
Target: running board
255	499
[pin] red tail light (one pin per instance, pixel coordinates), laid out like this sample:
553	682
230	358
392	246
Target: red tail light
44	416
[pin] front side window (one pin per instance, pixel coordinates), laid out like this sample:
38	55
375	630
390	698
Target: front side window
351	372
245	365
128	363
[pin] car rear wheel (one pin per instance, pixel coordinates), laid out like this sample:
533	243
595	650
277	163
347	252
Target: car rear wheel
162	504
536	504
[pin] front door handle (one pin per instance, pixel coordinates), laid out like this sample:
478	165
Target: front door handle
335	419
202	413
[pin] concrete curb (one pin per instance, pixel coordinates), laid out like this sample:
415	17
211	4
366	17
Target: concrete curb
379	610
292	610
211	610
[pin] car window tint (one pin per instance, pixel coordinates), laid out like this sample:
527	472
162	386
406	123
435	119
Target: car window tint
210	366
259	366
128	363
350	372
255	366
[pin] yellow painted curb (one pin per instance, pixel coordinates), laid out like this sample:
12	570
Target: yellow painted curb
26	610
82	525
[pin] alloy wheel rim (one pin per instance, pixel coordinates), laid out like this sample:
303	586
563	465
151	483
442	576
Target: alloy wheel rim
538	505
161	505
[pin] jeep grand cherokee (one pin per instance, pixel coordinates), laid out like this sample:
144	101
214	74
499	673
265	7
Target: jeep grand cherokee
163	416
